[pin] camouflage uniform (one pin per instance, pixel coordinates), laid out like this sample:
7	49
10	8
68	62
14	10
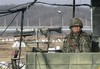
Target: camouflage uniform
77	43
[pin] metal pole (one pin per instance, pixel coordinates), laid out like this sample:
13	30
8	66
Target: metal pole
60	13
37	40
48	40
73	8
22	20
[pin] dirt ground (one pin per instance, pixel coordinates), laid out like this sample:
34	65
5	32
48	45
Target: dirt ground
6	43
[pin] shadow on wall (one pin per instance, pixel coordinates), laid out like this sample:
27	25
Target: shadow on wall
95	47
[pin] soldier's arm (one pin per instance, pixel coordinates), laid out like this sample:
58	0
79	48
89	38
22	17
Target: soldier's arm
85	44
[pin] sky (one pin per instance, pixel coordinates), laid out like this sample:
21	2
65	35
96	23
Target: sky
7	2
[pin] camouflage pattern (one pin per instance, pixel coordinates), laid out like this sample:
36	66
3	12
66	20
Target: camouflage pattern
75	22
78	43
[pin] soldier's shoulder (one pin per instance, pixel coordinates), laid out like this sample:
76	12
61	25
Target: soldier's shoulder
84	34
67	36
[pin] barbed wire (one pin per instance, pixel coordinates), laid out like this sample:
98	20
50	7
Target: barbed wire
9	24
54	4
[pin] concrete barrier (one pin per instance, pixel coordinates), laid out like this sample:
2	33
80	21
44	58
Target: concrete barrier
62	60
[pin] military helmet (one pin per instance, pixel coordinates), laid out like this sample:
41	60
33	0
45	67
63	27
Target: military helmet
76	22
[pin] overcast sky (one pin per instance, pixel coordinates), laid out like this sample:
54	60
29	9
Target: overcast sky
7	2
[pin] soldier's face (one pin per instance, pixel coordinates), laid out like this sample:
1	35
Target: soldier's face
75	29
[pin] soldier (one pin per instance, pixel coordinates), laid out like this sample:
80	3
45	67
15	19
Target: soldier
77	41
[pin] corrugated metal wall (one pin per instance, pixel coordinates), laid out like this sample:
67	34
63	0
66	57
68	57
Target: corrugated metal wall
62	60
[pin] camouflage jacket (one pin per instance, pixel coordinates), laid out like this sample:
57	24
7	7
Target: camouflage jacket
79	43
